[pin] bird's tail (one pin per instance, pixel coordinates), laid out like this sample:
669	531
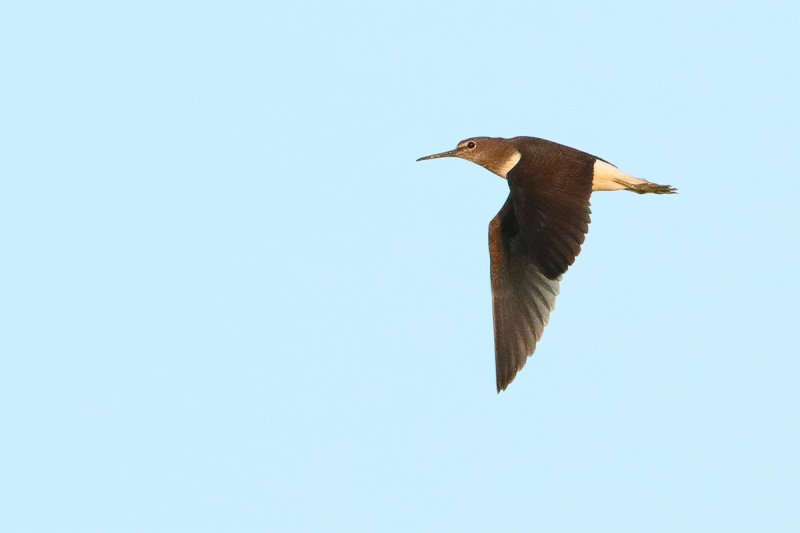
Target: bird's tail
645	187
607	177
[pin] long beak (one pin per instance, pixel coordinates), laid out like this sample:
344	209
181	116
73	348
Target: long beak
451	153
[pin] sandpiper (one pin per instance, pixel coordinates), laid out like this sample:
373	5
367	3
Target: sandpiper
538	232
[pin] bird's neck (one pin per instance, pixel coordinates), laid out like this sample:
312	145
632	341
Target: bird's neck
502	165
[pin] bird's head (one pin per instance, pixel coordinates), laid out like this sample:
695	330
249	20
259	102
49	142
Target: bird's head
492	153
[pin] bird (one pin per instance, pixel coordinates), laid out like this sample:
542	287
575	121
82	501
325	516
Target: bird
538	232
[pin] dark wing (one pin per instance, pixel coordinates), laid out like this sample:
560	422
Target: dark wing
532	241
551	202
522	296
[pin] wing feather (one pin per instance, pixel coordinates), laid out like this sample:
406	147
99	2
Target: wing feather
522	297
533	240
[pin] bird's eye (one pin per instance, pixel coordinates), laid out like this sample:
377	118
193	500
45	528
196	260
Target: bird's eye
471	144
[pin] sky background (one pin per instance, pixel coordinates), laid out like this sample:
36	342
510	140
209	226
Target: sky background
231	300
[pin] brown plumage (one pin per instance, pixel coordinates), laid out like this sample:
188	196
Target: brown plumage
538	232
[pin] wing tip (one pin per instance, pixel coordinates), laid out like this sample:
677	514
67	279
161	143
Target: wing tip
503	385
503	381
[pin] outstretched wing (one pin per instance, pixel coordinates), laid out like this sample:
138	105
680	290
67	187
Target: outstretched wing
532	241
522	296
550	194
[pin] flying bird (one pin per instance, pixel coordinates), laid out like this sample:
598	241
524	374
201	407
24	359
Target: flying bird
538	232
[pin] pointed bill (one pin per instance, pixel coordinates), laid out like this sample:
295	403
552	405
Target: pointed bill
449	153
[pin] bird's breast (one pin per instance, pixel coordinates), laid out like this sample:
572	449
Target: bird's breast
503	166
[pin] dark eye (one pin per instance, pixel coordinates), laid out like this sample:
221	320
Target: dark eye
470	144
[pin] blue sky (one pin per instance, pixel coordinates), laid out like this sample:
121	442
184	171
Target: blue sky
233	301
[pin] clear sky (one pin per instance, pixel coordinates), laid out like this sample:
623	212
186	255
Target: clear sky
231	300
